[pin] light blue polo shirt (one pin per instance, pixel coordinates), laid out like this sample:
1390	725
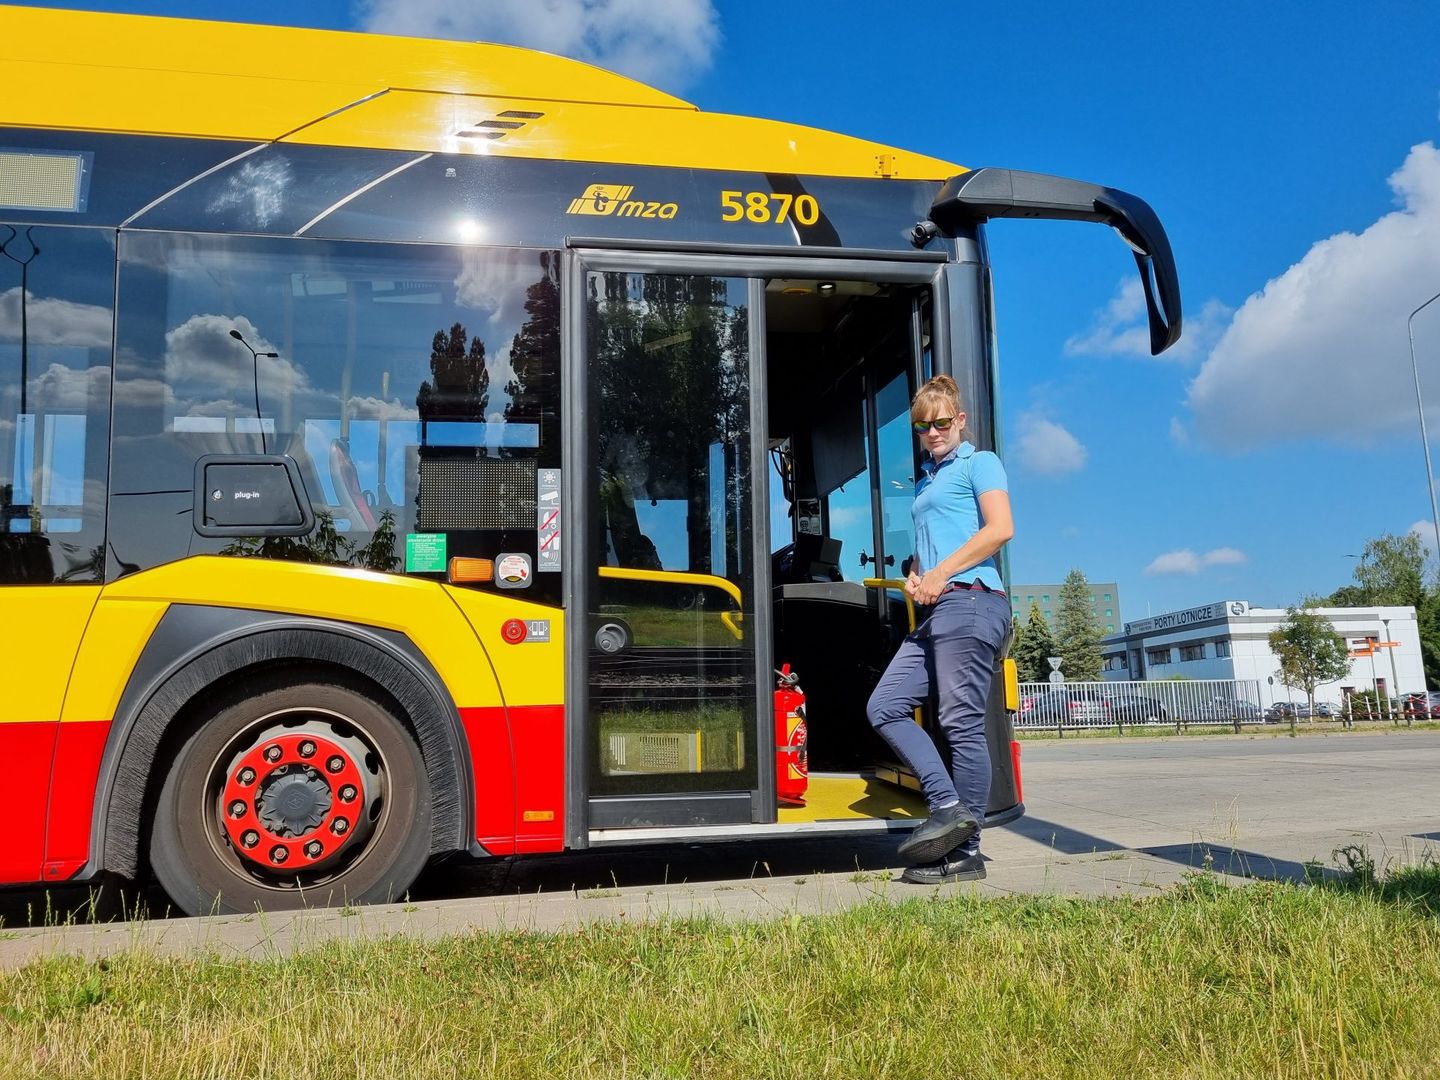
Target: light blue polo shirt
946	511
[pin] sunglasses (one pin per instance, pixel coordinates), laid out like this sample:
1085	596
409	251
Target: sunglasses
940	423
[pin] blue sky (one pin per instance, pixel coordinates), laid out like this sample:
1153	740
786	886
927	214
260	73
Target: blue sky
1290	150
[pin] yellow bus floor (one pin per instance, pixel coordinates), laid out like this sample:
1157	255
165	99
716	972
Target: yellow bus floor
849	797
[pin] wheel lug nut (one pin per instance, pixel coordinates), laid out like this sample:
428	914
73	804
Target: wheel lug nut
307	748
237	809
251	838
313	849
335	764
340	827
279	853
347	793
247	775
272	753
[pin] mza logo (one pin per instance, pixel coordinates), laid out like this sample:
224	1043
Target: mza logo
613	200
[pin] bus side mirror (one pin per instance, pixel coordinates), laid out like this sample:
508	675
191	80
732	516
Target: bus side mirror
990	193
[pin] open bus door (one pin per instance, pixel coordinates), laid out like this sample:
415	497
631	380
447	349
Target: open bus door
741	476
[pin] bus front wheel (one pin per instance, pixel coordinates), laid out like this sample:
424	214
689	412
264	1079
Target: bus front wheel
292	794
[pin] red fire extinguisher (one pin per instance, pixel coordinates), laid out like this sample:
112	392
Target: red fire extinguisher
792	764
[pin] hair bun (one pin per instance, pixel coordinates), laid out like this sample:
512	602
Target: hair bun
943	384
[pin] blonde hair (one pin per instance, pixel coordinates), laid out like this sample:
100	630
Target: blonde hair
937	395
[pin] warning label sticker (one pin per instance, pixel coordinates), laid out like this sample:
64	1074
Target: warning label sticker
512	571
547	521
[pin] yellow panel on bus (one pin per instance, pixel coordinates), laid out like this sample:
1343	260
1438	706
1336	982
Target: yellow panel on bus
582	131
412	606
40	629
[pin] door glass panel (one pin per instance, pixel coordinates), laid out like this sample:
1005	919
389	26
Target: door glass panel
671	643
897	471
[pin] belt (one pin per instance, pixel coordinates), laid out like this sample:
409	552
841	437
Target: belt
973	586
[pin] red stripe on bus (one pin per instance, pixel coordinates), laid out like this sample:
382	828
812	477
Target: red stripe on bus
79	746
519	796
26	750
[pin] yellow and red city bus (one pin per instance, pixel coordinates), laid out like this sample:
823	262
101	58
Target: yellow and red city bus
411	447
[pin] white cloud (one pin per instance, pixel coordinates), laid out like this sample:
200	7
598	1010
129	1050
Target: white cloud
1045	447
1425	530
1322	349
1226	556
664	42
1179	433
1121	328
50	321
1185	561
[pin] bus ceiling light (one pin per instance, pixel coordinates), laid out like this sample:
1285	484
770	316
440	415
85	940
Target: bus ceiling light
467	571
981	194
827	288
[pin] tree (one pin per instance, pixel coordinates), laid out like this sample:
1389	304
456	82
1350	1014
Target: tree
1392	570
1310	652
1078	630
1032	646
461	389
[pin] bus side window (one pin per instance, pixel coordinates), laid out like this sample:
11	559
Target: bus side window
56	301
417	389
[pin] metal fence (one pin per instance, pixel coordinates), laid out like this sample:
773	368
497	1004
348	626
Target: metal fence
1180	704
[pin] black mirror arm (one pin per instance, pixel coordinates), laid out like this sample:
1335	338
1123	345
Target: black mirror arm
990	193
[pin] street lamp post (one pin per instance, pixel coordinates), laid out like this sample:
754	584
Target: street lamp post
1394	678
1419	404
255	368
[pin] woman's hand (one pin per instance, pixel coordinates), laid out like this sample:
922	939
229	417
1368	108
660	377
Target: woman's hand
928	588
912	582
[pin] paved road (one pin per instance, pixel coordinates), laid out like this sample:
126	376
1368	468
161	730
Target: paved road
1105	817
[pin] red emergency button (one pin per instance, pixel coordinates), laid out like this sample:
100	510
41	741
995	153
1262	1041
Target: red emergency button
513	631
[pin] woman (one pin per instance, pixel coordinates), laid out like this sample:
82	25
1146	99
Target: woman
962	518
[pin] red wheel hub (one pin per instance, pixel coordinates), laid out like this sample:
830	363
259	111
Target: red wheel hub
292	801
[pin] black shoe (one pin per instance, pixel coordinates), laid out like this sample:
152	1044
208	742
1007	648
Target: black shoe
939	834
970	868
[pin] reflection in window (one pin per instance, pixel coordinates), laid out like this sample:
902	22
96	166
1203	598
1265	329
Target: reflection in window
670	479
416	388
56	294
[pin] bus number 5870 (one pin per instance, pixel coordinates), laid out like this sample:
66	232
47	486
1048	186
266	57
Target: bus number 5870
765	206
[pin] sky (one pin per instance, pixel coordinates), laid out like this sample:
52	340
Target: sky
1290	150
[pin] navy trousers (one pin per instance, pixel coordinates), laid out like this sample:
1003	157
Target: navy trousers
952	654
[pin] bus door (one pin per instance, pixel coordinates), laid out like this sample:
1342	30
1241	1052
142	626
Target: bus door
844	359
689	379
670	673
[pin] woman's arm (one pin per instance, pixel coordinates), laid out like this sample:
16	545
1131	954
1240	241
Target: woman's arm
998	528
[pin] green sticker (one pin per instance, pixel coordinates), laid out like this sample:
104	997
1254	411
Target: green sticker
424	553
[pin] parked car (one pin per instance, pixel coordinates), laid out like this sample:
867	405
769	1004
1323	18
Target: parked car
1069	706
1421	706
1136	709
1326	710
1223	708
1283	710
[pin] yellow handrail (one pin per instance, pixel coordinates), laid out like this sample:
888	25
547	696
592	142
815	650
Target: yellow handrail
678	577
894	583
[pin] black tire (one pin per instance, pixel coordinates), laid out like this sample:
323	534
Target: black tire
375	857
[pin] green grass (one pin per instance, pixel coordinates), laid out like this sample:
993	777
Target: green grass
1200	981
1152	731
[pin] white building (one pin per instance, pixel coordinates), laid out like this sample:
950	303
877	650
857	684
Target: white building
1230	640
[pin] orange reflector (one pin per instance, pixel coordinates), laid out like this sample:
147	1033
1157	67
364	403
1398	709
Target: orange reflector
538	815
463	570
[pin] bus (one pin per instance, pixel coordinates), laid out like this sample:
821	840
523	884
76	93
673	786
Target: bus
416	449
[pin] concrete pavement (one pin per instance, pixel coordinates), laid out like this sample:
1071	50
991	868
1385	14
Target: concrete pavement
1105	817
